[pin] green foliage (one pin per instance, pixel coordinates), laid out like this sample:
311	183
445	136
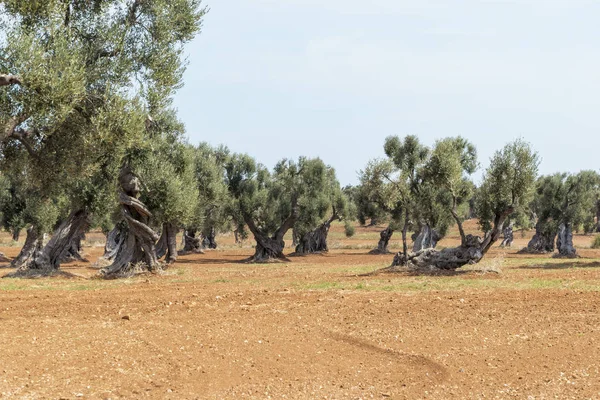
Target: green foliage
508	183
270	203
91	72
349	229
596	242
566	198
328	203
215	208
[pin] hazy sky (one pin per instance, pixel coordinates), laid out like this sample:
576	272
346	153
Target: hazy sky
333	78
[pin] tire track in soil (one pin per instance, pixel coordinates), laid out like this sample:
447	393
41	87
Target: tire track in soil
436	372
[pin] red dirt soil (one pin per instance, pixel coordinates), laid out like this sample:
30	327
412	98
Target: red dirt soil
314	328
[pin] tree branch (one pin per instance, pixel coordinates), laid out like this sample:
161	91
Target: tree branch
22	136
463	239
7	80
12	125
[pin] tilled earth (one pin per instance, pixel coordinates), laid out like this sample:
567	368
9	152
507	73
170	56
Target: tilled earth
312	328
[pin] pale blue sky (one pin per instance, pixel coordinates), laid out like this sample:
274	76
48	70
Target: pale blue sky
333	78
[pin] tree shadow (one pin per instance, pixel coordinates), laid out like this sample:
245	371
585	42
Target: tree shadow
411	272
563	265
206	261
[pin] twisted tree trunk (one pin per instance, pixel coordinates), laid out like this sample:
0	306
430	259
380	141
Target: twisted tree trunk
114	240
167	243
508	237
315	241
471	250
73	251
209	240
47	260
270	248
564	241
138	250
191	243
384	240
33	244
427	238
543	240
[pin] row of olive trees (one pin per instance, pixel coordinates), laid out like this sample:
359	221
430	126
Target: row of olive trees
89	139
426	190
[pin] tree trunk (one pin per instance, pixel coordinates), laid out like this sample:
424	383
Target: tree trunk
191	243
16	233
209	240
167	243
73	251
564	241
447	259
315	241
427	238
384	239
33	244
405	232
598	216
508	237
543	240
138	250
47	260
471	250
267	250
114	240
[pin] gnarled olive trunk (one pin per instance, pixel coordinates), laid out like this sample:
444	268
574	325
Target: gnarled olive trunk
114	240
137	252
427	238
564	241
33	244
384	240
315	241
167	243
471	250
210	240
191	243
508	234
268	249
73	252
543	240
47	260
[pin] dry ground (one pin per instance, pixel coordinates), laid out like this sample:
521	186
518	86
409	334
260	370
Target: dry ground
314	328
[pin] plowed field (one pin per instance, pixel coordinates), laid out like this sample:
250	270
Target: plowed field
213	327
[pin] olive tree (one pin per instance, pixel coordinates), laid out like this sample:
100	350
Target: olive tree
447	170
270	202
214	206
393	185
507	185
318	213
562	202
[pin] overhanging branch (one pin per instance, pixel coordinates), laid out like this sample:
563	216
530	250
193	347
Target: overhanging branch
8	80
